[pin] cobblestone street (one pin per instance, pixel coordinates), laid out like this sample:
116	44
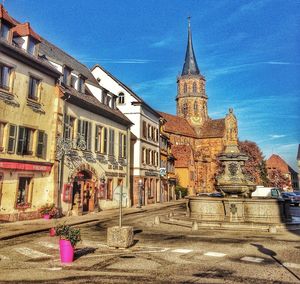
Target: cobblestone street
161	254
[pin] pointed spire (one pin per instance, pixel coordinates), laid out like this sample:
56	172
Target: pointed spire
190	64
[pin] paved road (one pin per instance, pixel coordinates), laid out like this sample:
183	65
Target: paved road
161	254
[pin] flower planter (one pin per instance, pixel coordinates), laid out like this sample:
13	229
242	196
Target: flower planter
52	232
66	251
47	216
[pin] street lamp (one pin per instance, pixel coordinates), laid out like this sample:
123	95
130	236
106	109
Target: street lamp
140	191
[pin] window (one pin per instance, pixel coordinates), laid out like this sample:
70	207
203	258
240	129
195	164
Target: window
31	46
104	97
110	189
195	107
33	88
185	88
104	150
108	99
84	130
73	81
149	132
4	77
121	99
2	128
81	86
148	157
23	191
111	149
122	145
41	146
12	138
185	109
144	129
98	138
143	155
194	87
25	141
69	127
66	76
4	30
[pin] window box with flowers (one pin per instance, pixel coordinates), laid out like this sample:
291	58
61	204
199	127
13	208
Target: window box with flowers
23	205
49	211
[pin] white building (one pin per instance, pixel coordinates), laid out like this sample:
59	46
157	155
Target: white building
145	144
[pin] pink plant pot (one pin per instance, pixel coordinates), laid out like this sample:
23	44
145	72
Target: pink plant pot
52	232
66	251
47	216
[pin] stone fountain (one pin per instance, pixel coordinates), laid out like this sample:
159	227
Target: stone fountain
236	206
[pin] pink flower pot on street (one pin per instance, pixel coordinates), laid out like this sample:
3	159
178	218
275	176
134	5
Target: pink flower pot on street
47	216
52	232
66	251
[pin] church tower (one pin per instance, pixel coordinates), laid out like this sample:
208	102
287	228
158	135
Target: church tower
191	97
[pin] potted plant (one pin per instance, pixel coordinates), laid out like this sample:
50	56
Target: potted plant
48	211
69	237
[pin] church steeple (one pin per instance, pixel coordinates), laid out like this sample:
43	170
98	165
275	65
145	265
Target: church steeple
191	96
190	66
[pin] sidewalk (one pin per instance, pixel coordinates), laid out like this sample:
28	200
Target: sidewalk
20	228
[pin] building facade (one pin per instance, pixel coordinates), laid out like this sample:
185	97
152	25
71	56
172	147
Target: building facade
193	131
145	167
92	140
28	115
275	162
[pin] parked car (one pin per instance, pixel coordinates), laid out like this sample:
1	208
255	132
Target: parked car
271	192
292	197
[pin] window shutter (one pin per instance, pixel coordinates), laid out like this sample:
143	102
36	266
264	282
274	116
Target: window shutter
120	145
124	146
104	140
21	140
96	138
45	145
89	135
12	139
40	144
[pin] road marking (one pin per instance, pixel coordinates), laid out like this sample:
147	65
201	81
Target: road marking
215	254
252	259
48	245
291	265
31	253
3	257
182	250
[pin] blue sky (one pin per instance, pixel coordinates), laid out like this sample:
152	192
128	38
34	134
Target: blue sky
249	52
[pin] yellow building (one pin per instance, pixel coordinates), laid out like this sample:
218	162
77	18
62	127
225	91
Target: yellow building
28	115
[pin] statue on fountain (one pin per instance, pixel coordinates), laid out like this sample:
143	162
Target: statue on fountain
232	181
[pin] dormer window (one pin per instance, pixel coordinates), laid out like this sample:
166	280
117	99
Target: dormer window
31	46
81	86
66	76
4	30
73	81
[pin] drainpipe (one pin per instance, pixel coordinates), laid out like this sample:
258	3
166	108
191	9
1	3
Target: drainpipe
128	185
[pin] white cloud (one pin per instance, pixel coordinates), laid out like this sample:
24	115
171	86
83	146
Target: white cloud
162	43
276	136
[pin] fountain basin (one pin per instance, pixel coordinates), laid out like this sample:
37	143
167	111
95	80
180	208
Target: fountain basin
238	210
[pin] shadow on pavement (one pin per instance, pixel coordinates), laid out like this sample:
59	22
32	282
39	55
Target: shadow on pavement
84	251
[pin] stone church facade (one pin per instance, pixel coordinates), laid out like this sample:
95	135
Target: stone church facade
193	127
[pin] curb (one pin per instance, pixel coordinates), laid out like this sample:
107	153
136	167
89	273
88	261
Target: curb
74	223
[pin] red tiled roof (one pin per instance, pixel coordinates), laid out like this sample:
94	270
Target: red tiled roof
213	128
182	153
25	30
4	15
277	162
177	125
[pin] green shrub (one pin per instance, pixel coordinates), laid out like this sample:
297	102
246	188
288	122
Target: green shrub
66	232
183	190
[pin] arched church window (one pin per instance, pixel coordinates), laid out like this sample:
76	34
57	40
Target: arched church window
195	107
194	87
185	109
185	88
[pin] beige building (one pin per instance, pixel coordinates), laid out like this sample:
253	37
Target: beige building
28	114
93	139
